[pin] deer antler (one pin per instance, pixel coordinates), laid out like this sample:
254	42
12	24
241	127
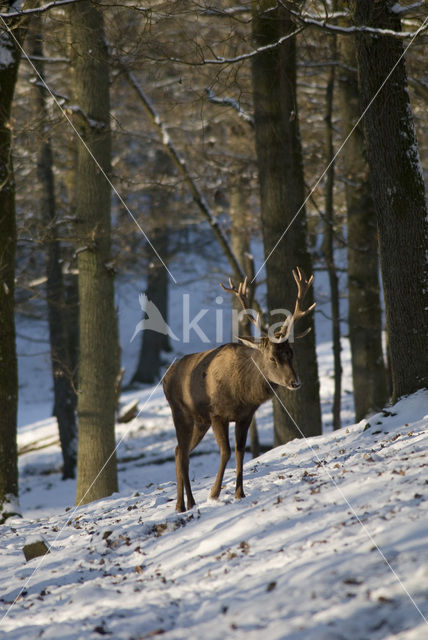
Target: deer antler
241	294
302	288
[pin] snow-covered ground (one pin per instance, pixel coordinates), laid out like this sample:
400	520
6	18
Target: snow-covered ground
330	543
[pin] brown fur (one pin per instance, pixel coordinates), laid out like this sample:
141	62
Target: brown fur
220	386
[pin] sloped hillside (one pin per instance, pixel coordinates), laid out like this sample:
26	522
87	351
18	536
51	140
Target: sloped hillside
330	543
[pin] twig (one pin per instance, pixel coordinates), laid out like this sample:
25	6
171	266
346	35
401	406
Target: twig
243	56
181	166
230	102
310	20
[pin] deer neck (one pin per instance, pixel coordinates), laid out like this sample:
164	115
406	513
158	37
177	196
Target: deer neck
261	388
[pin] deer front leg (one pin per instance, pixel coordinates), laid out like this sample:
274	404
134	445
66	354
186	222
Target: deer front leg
180	507
182	473
184	431
241	430
221	432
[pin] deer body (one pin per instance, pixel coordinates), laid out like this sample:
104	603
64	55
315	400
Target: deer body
219	386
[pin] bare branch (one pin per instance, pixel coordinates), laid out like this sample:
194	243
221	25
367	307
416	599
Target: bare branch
230	102
44	59
310	20
83	119
421	88
42	9
400	10
182	168
227	12
243	56
180	164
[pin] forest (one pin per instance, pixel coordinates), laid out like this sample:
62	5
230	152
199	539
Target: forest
152	151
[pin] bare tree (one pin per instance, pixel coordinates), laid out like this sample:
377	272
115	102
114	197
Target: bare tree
328	248
12	35
64	394
154	342
97	475
398	193
240	240
365	315
282	192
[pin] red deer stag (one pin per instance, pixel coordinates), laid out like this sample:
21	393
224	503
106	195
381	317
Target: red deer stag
228	384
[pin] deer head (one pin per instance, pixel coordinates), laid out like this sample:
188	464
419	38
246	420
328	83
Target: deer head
274	359
274	352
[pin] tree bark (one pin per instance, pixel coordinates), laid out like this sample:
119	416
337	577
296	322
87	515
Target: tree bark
328	250
153	342
240	240
8	361
398	193
71	285
280	163
97	472
364	313
64	395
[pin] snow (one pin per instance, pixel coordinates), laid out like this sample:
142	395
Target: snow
330	542
399	9
7	56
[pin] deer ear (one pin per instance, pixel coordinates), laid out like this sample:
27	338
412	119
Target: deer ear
249	342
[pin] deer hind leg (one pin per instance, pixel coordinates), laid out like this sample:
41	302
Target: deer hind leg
241	430
221	432
199	431
183	429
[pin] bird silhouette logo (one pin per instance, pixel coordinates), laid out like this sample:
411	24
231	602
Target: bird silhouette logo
154	320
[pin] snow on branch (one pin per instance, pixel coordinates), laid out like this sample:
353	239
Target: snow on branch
310	20
400	10
84	119
45	7
243	56
194	189
44	59
226	12
63	101
181	166
230	102
60	97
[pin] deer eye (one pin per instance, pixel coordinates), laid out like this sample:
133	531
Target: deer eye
272	359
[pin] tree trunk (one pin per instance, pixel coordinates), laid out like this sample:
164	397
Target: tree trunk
364	315
97	472
8	362
240	238
328	250
398	194
153	342
279	157
64	395
71	284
